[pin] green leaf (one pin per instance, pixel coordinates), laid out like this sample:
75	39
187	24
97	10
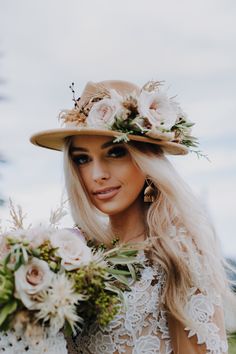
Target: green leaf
132	272
122	279
24	255
117	291
122	138
117	271
7	310
127	253
7	259
122	260
19	262
67	329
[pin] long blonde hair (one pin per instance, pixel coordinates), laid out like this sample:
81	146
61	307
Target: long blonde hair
183	240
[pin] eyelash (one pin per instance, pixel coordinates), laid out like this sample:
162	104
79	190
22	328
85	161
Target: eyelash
77	159
83	158
120	151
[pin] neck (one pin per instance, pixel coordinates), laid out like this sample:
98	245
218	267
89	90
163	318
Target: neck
130	223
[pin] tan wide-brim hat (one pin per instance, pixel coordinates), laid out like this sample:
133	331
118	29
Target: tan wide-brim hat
55	138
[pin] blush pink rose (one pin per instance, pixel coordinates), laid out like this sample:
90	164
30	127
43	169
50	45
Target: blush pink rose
160	110
30	279
103	112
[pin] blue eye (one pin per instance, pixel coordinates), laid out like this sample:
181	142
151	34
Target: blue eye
80	159
118	151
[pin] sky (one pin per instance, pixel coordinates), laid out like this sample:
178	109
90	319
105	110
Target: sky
45	45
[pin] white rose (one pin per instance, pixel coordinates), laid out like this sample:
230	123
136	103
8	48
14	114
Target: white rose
37	236
30	279
72	248
103	112
158	108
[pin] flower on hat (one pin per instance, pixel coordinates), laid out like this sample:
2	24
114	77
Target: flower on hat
158	108
103	112
73	117
148	113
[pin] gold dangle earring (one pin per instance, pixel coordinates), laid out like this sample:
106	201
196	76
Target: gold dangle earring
149	192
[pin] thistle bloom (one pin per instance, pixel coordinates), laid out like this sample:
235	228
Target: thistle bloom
58	303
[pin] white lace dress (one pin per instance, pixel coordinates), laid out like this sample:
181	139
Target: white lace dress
10	344
140	328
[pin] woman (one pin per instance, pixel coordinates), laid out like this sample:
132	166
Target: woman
126	188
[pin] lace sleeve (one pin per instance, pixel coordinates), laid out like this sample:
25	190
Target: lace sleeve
11	344
207	313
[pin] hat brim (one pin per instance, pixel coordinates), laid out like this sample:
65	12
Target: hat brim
55	139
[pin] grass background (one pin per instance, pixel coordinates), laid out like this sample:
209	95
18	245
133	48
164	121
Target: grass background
232	344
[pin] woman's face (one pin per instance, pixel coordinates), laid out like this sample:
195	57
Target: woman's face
110	176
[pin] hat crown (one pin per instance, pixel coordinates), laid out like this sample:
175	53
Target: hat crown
93	88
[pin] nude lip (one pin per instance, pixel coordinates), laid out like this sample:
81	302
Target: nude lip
106	193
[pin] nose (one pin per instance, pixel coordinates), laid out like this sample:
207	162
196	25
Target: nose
100	172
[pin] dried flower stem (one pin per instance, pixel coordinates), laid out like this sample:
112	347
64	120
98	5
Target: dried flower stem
58	214
17	216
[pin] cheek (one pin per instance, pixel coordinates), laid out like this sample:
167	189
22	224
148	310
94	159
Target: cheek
134	181
85	177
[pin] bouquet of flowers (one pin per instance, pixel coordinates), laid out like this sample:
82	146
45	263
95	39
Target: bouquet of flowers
51	279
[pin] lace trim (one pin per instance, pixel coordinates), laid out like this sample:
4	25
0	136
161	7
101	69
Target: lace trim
203	301
201	309
11	344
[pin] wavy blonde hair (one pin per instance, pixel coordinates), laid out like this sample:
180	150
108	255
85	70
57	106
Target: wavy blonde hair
183	240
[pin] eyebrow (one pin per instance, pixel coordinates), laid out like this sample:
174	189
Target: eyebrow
104	146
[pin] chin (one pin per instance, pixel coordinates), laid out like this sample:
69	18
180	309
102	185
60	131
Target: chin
114	208
117	205
111	211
